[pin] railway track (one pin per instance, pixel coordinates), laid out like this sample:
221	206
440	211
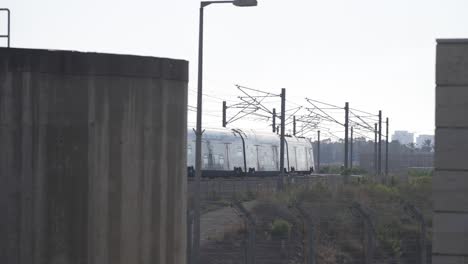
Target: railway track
266	178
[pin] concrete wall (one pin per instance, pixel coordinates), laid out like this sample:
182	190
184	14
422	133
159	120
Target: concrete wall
92	160
450	184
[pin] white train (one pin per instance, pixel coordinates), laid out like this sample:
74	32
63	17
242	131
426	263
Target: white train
235	152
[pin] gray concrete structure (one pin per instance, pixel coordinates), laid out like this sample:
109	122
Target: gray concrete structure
92	158
450	183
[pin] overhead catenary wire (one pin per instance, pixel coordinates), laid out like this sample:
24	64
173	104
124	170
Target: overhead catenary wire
254	105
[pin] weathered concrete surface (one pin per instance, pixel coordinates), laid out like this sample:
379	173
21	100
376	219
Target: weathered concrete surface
452	102
451	235
452	62
92	160
450	191
451	148
449	260
450	185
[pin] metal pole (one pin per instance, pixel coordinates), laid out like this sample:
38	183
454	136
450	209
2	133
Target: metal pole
369	239
423	241
416	214
370	242
346	125
189	235
274	120
294	125
380	144
310	243
250	225
224	113
386	150
199	132
308	227
283	110
198	143
318	151
351	150
375	148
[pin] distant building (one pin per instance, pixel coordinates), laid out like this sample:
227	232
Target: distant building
422	138
404	137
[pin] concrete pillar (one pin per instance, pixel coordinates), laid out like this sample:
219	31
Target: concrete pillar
450	183
93	158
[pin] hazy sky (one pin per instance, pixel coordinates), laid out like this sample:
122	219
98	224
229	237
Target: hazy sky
376	54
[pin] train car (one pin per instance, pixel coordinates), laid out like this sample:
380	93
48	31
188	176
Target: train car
300	156
235	152
262	153
222	153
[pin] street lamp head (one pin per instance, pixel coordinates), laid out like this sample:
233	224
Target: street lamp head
245	2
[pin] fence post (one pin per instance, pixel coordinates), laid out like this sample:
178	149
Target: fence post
423	242
190	215
369	236
250	224
310	243
416	214
308	229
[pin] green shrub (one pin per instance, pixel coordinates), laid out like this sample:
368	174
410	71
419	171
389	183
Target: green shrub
358	171
420	172
333	169
280	228
390	238
421	181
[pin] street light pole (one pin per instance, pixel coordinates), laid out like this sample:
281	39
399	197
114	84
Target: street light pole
196	225
194	259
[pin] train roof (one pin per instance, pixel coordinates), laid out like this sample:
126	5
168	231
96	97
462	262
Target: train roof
213	132
247	134
260	137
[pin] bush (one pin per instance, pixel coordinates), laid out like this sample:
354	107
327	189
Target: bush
390	237
331	169
420	172
353	171
421	182
280	228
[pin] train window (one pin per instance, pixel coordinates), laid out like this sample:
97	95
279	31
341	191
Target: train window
239	151
205	159
221	159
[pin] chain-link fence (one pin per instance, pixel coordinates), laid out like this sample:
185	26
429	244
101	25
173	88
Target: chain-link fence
316	220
